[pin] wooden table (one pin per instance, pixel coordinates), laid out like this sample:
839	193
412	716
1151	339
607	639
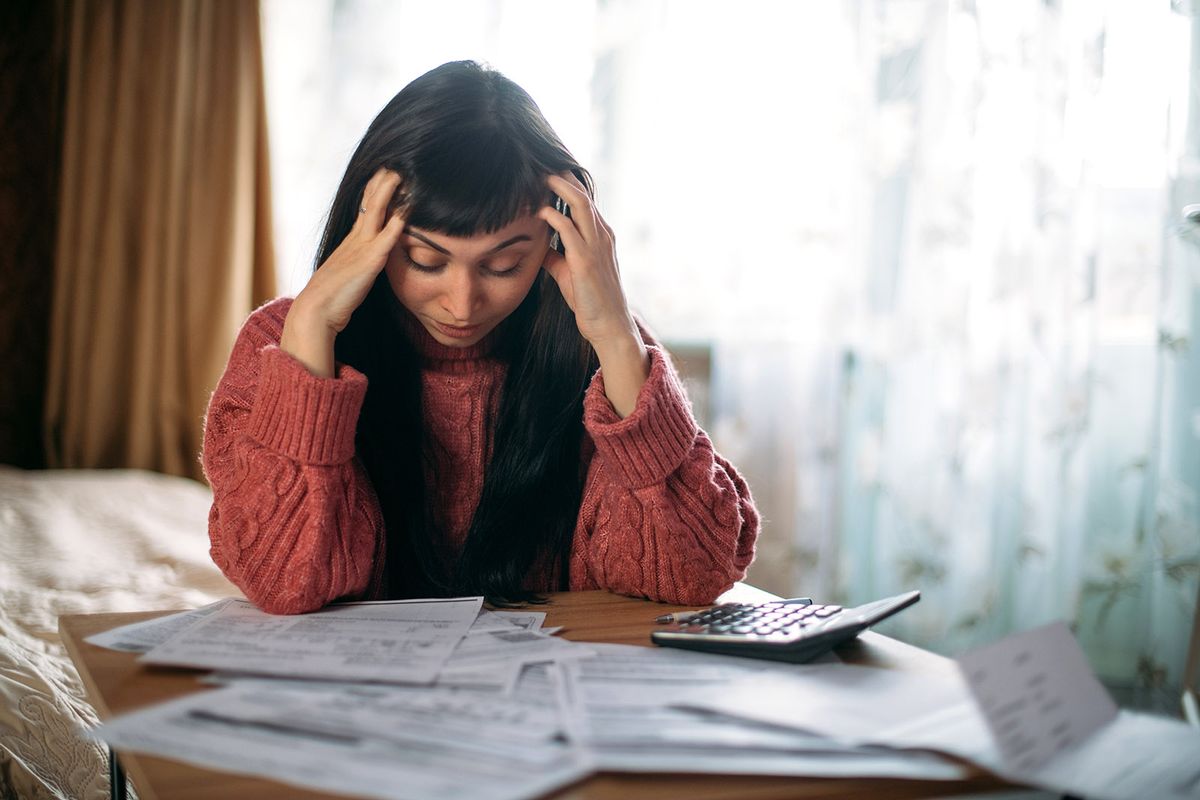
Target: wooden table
117	683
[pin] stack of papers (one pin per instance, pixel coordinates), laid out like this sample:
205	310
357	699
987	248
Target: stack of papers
1027	708
442	698
623	706
406	699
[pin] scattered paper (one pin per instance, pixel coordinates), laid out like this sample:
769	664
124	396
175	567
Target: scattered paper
845	702
398	642
861	762
498	645
1037	694
1027	708
1135	755
1055	726
142	636
497	708
292	740
619	705
504	620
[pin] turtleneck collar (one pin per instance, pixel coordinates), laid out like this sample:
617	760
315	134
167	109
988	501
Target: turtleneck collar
435	354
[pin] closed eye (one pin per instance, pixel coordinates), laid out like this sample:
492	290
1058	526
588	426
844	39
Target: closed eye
494	271
419	266
504	272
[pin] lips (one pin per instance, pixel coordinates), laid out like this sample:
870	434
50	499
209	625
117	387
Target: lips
457	331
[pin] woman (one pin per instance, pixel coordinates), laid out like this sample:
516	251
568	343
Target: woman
459	401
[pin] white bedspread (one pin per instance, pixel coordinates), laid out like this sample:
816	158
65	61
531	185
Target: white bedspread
75	542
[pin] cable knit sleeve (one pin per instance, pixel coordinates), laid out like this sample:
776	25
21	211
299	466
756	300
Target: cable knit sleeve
294	522
663	515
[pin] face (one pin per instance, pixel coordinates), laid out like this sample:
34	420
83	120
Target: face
462	288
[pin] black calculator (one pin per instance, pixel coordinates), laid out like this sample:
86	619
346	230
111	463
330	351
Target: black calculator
788	630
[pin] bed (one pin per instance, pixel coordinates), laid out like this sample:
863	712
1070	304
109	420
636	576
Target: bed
74	542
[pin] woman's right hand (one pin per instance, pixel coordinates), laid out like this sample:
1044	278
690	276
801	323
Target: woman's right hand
322	309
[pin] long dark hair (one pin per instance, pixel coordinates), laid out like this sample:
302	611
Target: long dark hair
474	151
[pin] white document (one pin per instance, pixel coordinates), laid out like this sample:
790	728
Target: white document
503	620
487	725
618	705
1109	757
142	636
1037	693
1135	755
404	641
536	685
493	657
858	762
500	674
293	740
501	677
1055	726
850	703
512	645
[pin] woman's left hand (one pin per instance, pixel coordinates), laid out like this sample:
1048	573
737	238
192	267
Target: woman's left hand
590	282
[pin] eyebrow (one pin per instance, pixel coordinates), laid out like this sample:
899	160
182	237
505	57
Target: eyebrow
507	242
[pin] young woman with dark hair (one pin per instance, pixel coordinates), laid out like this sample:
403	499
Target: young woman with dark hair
459	401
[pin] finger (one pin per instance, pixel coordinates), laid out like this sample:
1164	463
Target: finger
573	193
556	265
567	232
368	190
376	206
394	227
373	184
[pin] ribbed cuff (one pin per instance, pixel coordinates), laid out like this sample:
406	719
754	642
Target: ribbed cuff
651	443
309	419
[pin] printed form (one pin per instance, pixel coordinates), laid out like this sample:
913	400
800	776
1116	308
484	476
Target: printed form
405	641
1056	726
359	742
619	705
142	636
1027	708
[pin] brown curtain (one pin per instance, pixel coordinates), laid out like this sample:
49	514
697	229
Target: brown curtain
164	235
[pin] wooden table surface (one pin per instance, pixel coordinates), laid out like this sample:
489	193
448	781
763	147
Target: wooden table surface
117	683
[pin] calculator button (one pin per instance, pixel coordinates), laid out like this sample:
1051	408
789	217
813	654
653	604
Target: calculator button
828	611
742	628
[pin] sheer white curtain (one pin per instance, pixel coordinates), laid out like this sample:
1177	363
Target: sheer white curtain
933	247
1019	418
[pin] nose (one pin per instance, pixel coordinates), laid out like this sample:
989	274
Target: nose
462	295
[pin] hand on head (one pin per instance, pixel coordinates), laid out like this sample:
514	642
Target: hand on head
323	308
587	275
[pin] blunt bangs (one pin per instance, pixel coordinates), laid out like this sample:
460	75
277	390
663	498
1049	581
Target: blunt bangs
472	180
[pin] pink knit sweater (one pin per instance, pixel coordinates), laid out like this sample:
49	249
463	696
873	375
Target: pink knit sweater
295	523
